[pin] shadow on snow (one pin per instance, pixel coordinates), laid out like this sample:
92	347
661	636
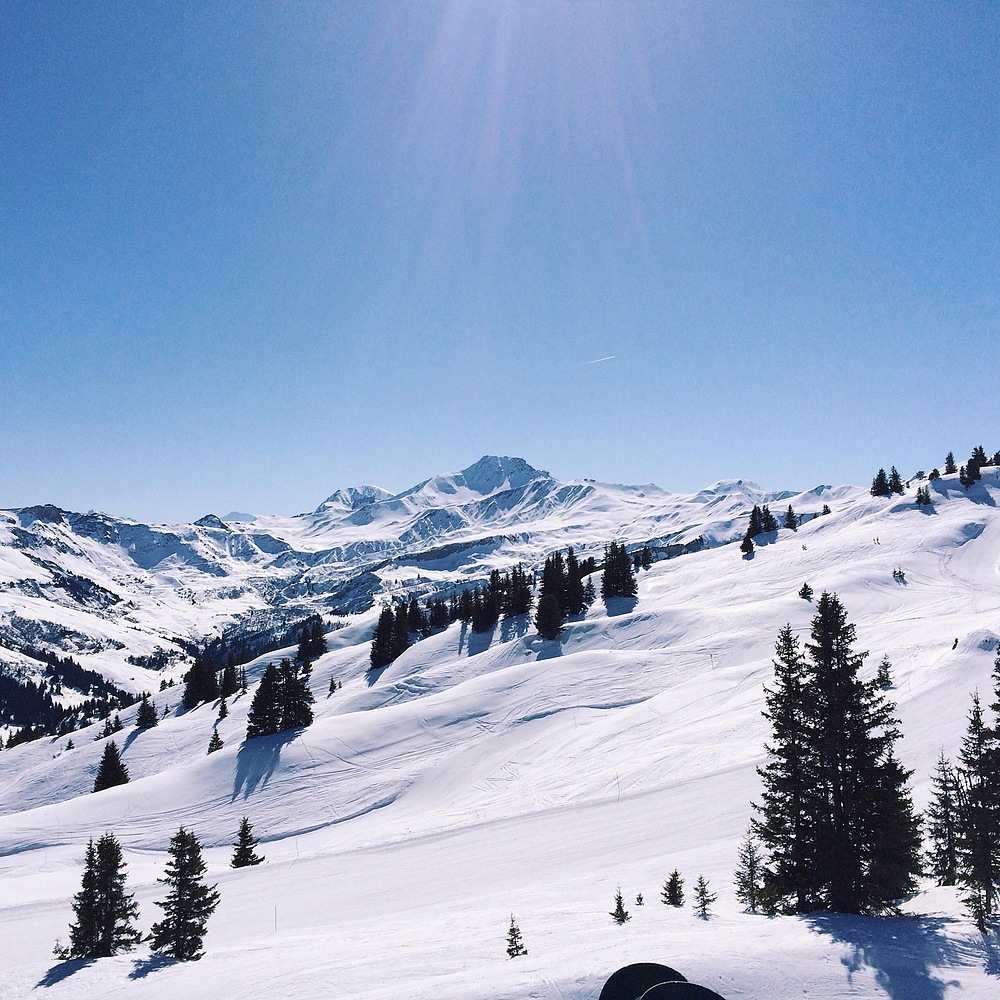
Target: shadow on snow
256	761
63	970
903	951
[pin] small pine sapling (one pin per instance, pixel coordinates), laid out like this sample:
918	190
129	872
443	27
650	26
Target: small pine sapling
703	899
746	546
215	741
244	853
619	914
883	675
673	889
638	899
806	592
515	944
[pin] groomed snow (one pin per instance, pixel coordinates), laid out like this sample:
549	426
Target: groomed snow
478	777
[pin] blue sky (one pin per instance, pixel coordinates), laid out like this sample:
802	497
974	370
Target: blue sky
251	253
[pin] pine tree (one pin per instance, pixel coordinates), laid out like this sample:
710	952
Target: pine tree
574	600
749	875
200	683
978	785
244	854
791	521
619	913
264	717
880	484
230	682
895	483
548	618
806	592
767	520
215	741
924	496
703	899
515	945
400	641
942	821
618	577
837	817
381	652
104	911
949	464
673	889
756	525
189	901
223	708
146	717
111	771
883	675
589	593
746	546
788	777
519	600
296	698
826	509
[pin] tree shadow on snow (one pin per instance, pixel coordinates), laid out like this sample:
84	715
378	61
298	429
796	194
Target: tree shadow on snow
903	951
616	606
373	674
63	970
551	648
479	641
130	739
142	967
256	761
514	628
991	949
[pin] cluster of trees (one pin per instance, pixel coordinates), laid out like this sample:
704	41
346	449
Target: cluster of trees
762	521
391	636
835	818
282	701
30	708
963	819
563	592
617	577
105	913
884	486
312	643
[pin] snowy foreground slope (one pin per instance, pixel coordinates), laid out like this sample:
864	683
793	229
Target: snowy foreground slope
480	776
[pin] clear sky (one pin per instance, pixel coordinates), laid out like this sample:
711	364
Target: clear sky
254	252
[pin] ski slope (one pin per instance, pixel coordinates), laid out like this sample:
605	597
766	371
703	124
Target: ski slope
483	776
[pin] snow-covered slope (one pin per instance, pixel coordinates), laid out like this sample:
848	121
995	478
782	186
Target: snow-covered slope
480	776
113	592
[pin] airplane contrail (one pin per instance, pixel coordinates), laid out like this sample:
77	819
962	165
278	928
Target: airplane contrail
597	361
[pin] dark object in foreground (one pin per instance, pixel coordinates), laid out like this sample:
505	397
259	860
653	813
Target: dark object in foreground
680	991
632	981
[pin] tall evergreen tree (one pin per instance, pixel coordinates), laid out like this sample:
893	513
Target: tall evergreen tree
112	770
756	525
978	786
381	652
846	839
296	700
264	717
215	742
767	519
949	464
789	777
230	682
400	632
244	850
574	602
519	600
895	482
791	521
146	717
189	901
942	822
548	617
104	911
